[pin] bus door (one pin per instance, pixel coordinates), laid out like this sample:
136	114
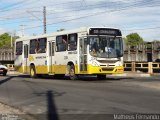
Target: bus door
83	55
25	61
51	56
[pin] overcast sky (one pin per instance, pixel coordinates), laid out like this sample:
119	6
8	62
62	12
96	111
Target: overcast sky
142	16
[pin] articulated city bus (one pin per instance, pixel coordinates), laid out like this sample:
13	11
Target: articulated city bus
84	51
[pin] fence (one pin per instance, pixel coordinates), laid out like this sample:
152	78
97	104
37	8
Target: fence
145	52
150	67
6	55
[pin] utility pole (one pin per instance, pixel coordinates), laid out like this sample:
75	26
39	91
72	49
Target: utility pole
44	18
11	40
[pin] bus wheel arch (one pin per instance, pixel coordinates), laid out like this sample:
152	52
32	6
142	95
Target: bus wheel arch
71	70
32	71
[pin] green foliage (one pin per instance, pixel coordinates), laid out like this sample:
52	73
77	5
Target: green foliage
125	40
148	44
133	39
5	40
60	30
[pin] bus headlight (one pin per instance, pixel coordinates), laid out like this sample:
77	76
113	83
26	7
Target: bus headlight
94	63
119	63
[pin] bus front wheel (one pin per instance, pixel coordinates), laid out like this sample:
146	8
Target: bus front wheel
32	72
72	74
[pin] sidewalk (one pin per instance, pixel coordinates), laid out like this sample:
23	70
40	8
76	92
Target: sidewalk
11	113
133	74
126	74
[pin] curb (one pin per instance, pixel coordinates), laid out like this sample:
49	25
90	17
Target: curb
126	74
133	75
13	73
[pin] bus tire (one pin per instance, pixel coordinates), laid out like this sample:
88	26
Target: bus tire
33	72
59	76
101	77
5	73
72	74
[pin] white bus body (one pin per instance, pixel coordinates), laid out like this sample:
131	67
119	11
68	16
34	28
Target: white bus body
69	53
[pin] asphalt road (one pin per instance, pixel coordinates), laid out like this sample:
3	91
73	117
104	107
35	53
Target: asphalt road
87	98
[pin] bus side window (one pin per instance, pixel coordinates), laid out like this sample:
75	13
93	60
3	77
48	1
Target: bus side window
33	46
72	41
42	45
61	43
19	46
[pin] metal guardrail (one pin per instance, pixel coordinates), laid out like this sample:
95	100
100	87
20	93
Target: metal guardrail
149	67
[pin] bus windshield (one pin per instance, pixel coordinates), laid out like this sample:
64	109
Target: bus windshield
105	47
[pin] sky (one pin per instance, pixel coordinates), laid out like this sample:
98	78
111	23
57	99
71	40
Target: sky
130	16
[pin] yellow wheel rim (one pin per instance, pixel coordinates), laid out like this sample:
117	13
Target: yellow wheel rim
72	72
32	72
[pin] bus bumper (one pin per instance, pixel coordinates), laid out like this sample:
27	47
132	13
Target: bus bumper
105	70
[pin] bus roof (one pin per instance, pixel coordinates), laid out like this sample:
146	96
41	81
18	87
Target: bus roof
78	30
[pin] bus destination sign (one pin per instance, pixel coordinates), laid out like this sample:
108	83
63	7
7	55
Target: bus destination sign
104	31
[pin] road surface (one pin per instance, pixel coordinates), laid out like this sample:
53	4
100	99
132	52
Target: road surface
87	98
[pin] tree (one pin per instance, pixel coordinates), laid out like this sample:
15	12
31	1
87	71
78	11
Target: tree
133	39
125	40
60	30
5	40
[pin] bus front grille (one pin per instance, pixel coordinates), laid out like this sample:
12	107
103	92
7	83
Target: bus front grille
107	69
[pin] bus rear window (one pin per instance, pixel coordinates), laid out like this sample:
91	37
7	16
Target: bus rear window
19	46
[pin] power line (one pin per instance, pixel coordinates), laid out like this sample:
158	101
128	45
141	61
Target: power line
87	7
94	14
141	29
16	6
12	5
9	16
53	5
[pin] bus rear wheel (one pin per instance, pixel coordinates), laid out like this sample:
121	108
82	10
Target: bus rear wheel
72	74
59	76
33	72
101	77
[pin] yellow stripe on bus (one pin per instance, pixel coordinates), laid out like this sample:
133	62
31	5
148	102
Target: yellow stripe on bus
62	69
